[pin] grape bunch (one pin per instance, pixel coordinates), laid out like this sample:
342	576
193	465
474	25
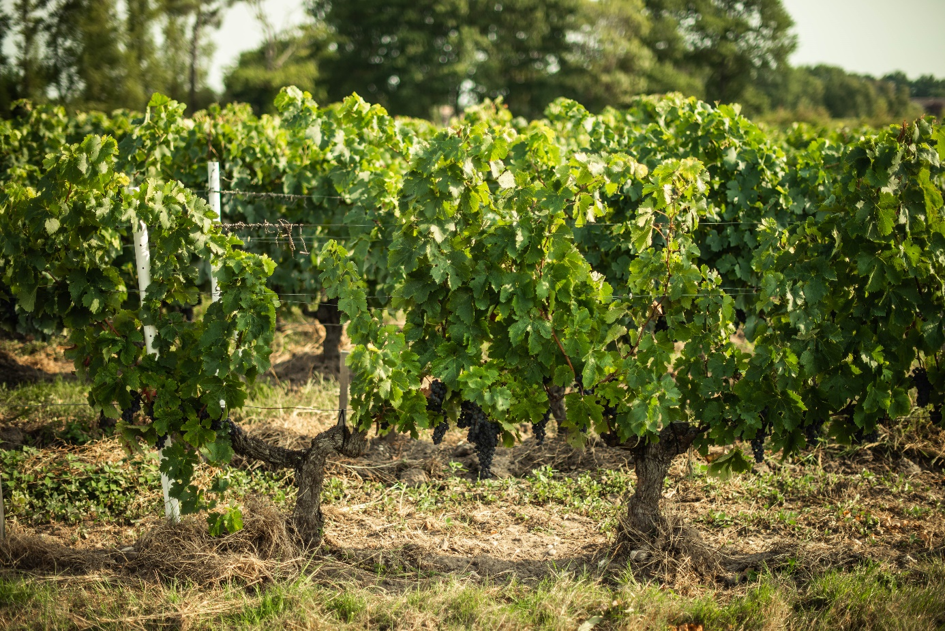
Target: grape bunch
540	428
758	448
758	442
483	433
437	396
920	379
660	325
435	404
862	437
439	432
215	424
128	415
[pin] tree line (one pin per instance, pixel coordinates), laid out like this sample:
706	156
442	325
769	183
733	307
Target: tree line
432	58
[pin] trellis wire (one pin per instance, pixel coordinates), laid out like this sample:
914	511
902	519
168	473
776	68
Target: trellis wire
9	405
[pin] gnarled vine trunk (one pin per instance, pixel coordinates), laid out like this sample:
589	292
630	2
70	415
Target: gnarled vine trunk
556	403
651	463
309	466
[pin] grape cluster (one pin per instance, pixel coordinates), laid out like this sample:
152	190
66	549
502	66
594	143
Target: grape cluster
660	325
861	437
483	433
215	424
128	414
758	442
435	404
920	379
758	448
540	429
437	396
439	432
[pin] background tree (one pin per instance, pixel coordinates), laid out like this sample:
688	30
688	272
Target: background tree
29	18
7	71
84	61
523	46
413	57
725	45
188	48
925	86
287	57
607	61
410	56
144	74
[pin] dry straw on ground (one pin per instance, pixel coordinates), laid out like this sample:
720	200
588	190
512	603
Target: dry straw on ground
263	551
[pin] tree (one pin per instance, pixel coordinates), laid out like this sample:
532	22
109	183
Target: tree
188	48
524	44
29	20
84	60
143	74
925	86
847	95
289	57
406	55
727	44
607	61
7	72
414	57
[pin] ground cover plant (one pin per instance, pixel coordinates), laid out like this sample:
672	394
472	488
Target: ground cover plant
699	323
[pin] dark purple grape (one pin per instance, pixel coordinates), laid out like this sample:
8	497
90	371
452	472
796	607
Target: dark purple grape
483	433
437	396
440	431
540	429
920	379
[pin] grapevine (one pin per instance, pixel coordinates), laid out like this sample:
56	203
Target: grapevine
613	254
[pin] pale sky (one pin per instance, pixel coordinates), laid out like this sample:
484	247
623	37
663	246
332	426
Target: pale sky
865	36
871	36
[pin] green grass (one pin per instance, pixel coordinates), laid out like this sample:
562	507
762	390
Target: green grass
865	598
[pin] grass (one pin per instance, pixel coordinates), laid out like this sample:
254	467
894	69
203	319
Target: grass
865	598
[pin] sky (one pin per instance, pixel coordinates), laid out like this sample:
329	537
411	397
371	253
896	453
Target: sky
865	36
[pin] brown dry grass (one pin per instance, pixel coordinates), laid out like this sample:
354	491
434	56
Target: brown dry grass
262	552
